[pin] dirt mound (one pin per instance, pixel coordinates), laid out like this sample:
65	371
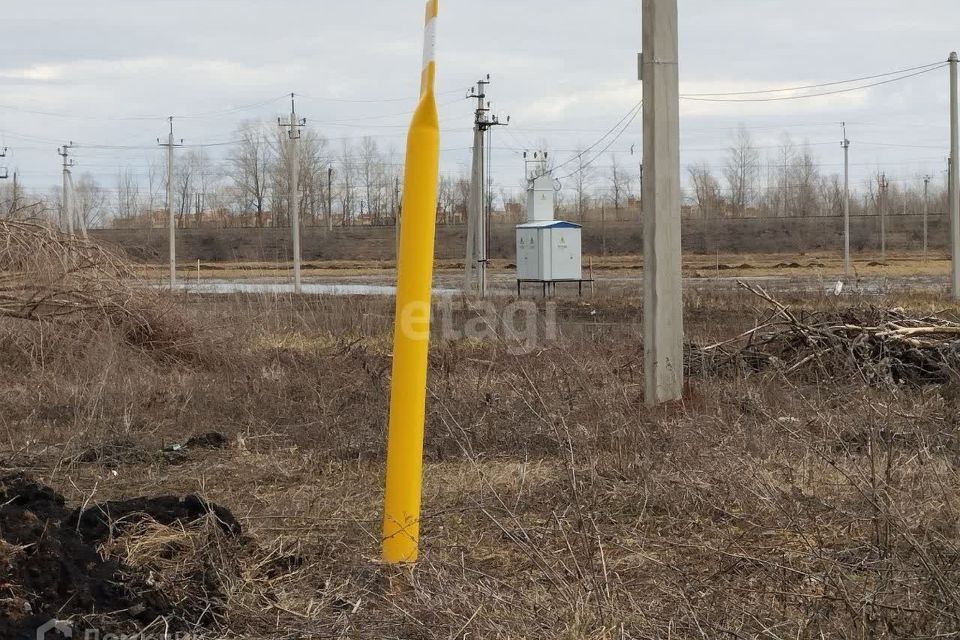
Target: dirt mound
52	566
212	440
97	524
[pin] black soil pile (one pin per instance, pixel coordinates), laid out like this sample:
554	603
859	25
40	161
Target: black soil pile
50	566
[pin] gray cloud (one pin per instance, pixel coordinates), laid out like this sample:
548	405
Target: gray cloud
565	71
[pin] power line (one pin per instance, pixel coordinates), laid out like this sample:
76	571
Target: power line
816	86
695	98
376	100
584	166
633	111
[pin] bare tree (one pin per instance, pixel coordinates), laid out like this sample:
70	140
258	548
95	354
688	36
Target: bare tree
581	183
743	162
804	181
250	164
89	200
371	172
785	158
128	195
619	185
707	193
347	175
314	162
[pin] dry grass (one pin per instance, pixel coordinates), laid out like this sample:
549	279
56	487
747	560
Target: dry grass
48	277
556	504
807	265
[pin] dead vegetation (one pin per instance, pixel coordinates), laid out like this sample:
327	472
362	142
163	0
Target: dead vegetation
814	503
878	347
48	276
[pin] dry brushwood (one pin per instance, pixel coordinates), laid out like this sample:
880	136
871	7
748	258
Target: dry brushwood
878	347
46	275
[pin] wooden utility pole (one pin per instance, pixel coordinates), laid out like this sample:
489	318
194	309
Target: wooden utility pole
663	281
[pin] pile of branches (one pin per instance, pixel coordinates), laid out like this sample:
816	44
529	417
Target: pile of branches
50	276
878	347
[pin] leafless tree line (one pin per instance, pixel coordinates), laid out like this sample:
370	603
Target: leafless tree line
360	183
789	182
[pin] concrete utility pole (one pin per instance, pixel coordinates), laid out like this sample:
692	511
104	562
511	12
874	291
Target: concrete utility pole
329	198
172	218
954	180
926	213
846	203
4	174
663	281
293	132
477	236
66	209
15	198
883	217
397	214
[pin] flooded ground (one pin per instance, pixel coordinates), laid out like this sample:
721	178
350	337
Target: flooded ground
626	283
225	287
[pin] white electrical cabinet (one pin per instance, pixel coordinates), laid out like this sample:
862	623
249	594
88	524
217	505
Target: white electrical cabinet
541	195
549	251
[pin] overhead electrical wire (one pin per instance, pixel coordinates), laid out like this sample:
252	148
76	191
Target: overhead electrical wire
817	86
375	101
698	98
201	115
633	112
584	166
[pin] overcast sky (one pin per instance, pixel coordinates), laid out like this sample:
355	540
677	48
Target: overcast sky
565	71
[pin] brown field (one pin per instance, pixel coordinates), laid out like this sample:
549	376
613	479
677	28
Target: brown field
897	265
769	503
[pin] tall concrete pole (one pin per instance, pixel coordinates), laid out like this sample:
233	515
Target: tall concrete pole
294	195
846	203
883	219
67	204
330	199
482	221
474	210
15	200
476	258
954	180
663	282
926	214
66	214
172	218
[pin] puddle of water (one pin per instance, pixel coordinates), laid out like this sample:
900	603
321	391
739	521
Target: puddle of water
223	288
